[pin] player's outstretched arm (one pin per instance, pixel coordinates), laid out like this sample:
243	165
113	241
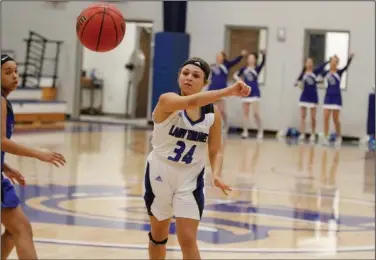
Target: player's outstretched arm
12	147
216	152
8	145
170	102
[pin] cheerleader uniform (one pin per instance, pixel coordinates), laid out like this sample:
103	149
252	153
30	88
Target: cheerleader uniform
333	97
309	97
250	76
219	73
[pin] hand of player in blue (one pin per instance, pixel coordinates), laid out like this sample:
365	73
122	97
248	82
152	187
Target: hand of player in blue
52	157
217	182
14	176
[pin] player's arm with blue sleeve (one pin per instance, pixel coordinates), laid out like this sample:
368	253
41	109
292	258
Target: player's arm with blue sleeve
341	71
8	145
239	74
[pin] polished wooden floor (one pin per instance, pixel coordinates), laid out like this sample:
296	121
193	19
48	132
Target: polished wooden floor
289	200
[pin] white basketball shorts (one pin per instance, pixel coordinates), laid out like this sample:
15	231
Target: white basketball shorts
173	190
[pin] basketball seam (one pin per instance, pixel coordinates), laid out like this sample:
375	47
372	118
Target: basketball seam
116	13
116	32
100	29
87	22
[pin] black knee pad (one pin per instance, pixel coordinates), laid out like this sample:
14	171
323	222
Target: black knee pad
157	243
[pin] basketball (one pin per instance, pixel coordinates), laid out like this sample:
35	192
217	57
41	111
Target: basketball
100	27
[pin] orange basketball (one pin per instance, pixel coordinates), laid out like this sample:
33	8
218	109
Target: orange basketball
100	27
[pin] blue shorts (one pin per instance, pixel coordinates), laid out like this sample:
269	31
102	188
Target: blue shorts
9	198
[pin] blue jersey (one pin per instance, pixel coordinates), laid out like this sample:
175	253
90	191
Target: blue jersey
250	77
219	73
9	129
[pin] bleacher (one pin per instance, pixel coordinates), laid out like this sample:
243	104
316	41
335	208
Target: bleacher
35	102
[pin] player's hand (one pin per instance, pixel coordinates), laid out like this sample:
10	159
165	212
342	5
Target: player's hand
52	157
244	52
217	182
240	89
351	55
15	176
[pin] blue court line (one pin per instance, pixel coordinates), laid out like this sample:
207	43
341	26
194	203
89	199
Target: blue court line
212	249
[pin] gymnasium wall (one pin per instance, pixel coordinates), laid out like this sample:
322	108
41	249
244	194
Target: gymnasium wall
284	61
18	17
279	104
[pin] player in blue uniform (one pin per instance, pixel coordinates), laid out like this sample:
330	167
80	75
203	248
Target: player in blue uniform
250	74
186	128
333	97
309	97
18	231
219	77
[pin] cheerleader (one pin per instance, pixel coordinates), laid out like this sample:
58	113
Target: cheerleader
249	75
218	79
309	97
333	97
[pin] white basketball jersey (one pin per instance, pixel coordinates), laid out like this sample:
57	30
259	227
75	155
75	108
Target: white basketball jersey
180	140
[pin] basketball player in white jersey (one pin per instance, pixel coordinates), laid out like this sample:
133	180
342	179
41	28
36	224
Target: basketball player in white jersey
185	126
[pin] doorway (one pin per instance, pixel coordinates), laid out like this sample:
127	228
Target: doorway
106	95
142	89
238	38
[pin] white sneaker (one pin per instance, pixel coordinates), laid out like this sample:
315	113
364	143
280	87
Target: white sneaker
312	138
338	141
325	140
260	134
245	134
301	137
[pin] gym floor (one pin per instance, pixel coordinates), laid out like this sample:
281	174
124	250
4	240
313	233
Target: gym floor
289	200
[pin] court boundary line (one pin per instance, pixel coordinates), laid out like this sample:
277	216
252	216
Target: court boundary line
206	249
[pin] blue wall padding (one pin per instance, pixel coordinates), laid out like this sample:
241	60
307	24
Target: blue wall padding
171	50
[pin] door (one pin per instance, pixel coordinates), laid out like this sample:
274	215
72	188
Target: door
241	39
142	89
